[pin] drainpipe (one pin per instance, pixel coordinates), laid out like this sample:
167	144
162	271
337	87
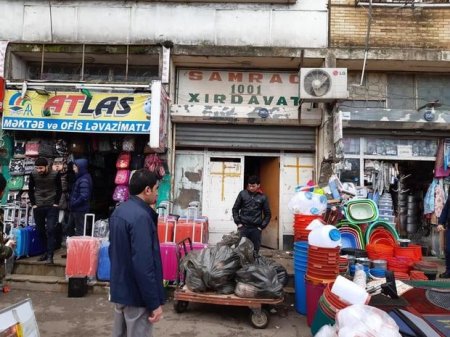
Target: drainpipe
366	50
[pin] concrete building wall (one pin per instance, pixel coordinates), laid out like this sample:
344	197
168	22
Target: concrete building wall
303	24
397	26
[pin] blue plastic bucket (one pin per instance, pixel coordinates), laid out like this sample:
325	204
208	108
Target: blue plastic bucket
300	292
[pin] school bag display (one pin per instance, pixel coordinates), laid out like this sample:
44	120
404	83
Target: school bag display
28	164
122	177
128	144
32	148
123	161
16	167
15	183
19	149
121	193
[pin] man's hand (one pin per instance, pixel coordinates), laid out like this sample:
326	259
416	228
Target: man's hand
440	228
156	315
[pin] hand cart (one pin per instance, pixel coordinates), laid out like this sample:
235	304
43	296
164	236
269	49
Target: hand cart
259	316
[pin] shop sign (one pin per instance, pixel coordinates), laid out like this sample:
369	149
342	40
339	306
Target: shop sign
233	87
77	112
404	150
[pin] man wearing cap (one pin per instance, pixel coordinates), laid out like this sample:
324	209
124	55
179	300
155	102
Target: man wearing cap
45	192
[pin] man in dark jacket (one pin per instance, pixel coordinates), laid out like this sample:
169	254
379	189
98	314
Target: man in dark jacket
248	210
45	193
136	269
443	226
80	196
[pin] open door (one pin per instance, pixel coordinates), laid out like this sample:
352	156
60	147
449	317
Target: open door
270	184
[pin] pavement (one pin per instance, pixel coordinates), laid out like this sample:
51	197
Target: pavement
57	315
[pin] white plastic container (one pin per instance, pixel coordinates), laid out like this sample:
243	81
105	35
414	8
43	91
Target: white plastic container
348	291
325	236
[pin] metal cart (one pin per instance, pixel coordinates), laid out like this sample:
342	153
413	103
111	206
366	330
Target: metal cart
259	316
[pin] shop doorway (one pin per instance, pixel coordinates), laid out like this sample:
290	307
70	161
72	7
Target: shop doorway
268	169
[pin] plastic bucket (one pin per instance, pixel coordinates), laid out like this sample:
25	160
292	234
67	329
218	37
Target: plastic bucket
313	293
300	292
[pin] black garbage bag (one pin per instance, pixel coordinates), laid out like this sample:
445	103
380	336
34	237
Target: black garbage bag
220	264
245	250
191	264
282	273
231	239
263	278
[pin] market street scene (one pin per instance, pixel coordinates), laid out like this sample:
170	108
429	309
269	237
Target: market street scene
225	168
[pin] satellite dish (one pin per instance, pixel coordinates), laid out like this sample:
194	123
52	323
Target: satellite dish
317	82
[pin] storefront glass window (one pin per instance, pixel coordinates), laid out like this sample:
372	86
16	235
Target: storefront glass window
400	147
350	171
351	145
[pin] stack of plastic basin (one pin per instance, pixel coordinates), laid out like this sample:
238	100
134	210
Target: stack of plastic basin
323	267
412	251
361	211
329	304
300	265
301	221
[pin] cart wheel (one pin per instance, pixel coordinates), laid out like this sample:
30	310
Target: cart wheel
180	306
259	318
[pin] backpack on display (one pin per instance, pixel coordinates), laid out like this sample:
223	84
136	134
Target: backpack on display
104	145
19	149
16	167
61	147
47	148
123	161
28	164
15	183
32	148
59	165
121	193
128	144
154	164
26	182
122	177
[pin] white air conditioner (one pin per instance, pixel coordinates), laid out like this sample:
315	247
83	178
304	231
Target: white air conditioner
322	84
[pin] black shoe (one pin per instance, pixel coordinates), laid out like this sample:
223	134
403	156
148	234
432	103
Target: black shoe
43	258
445	275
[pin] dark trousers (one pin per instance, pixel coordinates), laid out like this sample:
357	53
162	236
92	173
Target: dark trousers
75	224
447	250
46	218
253	234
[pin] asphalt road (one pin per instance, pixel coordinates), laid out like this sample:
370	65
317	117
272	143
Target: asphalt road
89	316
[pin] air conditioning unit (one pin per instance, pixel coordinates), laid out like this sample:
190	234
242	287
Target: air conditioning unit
322	84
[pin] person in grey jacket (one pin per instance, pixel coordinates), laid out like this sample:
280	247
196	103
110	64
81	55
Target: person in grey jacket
251	212
45	193
136	269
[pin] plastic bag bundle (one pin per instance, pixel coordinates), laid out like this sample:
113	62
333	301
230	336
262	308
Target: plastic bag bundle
230	239
308	203
245	290
220	264
282	273
101	228
245	250
352	322
191	264
264	278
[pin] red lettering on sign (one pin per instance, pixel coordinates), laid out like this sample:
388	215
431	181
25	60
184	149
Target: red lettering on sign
235	77
255	77
195	75
55	104
276	78
74	100
294	79
215	76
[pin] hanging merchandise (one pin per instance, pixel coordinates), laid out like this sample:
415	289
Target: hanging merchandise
154	164
428	202
439	200
128	144
19	149
16	167
439	170
123	161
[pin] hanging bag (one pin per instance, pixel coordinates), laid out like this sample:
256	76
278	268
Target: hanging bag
61	148
128	144
47	148
121	193
122	177
15	183
32	148
28	164
16	167
19	149
123	161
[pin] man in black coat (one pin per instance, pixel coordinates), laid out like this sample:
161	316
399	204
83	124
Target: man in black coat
443	226
251	212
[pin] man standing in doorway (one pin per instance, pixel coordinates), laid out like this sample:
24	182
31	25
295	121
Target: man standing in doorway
45	193
80	196
136	269
251	212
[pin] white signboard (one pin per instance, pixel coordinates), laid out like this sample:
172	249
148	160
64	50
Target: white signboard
234	87
18	320
404	150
